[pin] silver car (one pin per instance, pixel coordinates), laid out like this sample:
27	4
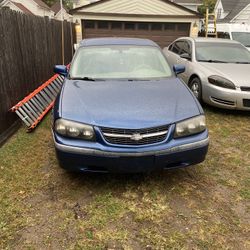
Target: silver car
217	70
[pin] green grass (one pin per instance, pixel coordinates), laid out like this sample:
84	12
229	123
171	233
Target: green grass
202	207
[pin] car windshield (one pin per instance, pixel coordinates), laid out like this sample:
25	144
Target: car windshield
242	37
119	62
218	52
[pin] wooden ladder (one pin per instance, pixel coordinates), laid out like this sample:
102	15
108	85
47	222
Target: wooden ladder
210	17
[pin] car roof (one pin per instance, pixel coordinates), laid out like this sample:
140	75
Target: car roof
214	40
117	41
209	39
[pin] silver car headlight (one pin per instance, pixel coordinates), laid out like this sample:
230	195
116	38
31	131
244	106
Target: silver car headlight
191	126
221	82
74	129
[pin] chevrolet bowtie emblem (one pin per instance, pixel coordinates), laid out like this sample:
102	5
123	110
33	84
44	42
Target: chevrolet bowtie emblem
136	137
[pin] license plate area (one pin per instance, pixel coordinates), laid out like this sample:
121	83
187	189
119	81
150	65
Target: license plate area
136	164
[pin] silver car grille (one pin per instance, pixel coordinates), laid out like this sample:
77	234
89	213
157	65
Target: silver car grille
135	137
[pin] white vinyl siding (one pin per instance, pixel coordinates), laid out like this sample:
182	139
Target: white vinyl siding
243	17
139	7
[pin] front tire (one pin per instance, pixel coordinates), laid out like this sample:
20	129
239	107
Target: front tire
195	86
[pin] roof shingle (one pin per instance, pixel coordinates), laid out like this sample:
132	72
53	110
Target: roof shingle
22	8
198	2
42	4
57	7
233	7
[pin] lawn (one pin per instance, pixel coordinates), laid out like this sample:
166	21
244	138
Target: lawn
201	207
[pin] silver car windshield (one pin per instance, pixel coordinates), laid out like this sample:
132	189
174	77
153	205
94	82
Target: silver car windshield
242	37
221	53
120	62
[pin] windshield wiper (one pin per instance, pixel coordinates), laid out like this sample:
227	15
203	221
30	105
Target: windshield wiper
212	61
242	62
85	78
136	80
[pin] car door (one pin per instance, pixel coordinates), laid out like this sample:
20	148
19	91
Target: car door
186	51
172	52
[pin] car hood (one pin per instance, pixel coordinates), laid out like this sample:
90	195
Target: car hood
124	104
237	73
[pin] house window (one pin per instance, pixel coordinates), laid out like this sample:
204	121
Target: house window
143	26
183	26
129	26
103	25
156	26
116	25
169	26
89	24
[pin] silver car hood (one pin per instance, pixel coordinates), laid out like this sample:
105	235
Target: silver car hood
239	74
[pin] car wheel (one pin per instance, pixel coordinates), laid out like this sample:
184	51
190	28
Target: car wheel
195	86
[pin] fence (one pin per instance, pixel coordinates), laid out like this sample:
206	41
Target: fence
29	48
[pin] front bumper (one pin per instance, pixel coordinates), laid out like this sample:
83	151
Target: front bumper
226	98
189	151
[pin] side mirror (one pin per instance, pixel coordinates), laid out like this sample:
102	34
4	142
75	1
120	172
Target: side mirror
186	56
61	70
178	69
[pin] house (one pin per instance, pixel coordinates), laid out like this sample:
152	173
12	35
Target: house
16	7
159	20
78	3
34	7
59	13
190	4
231	11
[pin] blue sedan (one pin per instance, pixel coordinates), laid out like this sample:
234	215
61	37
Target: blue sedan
122	109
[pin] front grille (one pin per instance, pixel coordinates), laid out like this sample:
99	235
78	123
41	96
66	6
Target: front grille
246	103
135	137
245	89
229	103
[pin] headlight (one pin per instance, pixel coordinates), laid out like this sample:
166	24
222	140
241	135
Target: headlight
221	82
191	126
74	129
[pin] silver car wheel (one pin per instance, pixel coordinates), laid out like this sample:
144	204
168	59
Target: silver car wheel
195	89
195	86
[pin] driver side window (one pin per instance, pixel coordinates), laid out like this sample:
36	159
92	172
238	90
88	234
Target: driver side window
176	47
181	47
186	48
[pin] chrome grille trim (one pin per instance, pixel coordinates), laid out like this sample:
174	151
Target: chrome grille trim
129	136
135	137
